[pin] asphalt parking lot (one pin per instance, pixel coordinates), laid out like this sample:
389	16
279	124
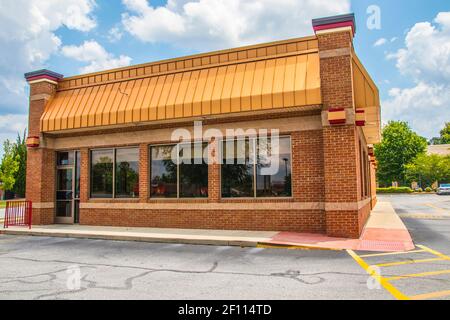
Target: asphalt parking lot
56	268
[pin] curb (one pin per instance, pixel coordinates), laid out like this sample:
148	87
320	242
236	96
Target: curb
180	240
215	242
268	245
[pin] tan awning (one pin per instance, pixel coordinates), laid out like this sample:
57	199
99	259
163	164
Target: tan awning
265	83
367	97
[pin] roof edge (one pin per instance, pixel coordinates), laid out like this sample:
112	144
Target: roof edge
43	73
194	56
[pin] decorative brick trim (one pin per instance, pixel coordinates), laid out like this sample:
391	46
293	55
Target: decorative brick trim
336	30
163	134
203	206
42	96
43	205
43	80
254	206
346	206
33	142
335	53
360	117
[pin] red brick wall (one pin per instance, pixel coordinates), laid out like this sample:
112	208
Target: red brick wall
144	191
307	186
325	169
84	175
308	166
37	106
41	182
40	161
262	220
341	153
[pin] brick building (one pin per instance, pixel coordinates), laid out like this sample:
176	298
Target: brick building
99	143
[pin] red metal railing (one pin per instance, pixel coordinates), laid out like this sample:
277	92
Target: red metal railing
18	213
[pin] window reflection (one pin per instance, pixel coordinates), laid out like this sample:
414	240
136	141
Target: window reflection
127	173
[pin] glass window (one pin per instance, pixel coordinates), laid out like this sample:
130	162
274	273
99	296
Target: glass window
276	182
271	175
65	158
237	168
102	173
164	172
64	184
186	177
127	173
193	171
64	209
77	174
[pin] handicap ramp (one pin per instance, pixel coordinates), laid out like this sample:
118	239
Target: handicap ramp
384	231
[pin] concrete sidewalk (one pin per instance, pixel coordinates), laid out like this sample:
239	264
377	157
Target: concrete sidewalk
384	232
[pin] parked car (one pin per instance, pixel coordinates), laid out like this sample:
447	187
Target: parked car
444	189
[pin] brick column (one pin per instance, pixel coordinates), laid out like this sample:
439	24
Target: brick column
40	188
84	175
214	172
143	173
335	37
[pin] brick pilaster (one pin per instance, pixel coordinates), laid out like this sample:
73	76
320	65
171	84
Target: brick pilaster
340	151
144	192
41	173
84	175
214	172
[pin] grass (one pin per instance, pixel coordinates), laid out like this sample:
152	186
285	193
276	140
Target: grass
2	204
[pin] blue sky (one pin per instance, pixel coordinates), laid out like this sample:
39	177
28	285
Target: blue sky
410	64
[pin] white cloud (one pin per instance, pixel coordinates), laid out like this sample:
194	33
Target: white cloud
380	42
95	55
425	106
114	34
426	60
393	39
212	24
10	126
427	52
27	40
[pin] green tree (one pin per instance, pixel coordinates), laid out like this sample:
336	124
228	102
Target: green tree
428	169
399	146
445	134
9	166
20	151
444	137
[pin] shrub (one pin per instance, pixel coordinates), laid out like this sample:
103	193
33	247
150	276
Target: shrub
394	190
419	190
428	189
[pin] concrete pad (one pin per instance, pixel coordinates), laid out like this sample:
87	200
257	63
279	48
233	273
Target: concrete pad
384	231
386	234
157	235
384	216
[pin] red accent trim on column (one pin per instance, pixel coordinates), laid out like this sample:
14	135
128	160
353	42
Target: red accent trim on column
335	25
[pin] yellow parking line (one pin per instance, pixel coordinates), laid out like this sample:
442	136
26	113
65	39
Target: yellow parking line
418	275
383	281
390	253
398	263
430	295
436	253
435	207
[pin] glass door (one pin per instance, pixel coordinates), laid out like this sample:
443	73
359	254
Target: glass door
67	187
